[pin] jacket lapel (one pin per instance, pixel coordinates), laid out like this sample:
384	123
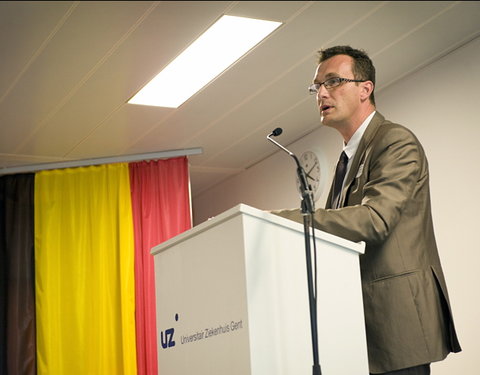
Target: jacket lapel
357	166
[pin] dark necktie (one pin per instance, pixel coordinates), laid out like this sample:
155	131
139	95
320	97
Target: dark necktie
338	181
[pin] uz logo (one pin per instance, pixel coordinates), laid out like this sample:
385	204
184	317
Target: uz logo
167	336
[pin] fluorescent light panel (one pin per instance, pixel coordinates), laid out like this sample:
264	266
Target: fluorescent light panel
214	51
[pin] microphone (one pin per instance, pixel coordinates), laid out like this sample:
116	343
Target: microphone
307	209
308	203
276	132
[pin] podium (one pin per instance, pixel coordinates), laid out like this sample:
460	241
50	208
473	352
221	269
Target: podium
232	298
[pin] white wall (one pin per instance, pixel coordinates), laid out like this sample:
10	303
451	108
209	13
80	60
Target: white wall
440	104
271	184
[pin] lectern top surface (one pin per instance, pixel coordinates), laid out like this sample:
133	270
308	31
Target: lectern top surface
243	209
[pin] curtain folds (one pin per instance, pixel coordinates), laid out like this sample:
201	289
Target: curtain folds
84	264
161	210
77	287
17	298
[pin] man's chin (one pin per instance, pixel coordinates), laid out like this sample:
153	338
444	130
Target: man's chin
325	120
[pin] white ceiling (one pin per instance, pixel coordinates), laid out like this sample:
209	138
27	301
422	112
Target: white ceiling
68	69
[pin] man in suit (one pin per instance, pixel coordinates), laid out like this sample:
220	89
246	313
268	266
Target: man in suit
384	200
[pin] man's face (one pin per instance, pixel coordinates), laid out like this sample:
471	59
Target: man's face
337	105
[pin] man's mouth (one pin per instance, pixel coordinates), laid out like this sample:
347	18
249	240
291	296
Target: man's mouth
325	108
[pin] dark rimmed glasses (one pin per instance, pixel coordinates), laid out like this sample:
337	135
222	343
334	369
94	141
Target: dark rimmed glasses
330	84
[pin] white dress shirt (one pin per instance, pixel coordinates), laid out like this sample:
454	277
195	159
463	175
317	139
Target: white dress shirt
351	147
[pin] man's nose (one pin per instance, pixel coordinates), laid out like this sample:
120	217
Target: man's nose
322	94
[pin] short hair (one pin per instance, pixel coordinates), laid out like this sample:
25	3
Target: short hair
362	64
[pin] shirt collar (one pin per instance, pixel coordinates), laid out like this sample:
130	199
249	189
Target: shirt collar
351	147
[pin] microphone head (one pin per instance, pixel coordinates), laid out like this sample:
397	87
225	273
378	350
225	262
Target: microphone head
277	132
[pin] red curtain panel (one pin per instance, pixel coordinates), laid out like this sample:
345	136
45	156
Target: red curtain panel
161	210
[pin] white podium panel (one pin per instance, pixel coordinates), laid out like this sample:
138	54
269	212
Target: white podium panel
232	298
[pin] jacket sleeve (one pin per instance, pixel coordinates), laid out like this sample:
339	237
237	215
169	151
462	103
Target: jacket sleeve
393	166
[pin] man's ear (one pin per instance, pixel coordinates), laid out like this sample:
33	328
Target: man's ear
366	89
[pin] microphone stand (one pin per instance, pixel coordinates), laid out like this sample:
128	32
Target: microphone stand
307	209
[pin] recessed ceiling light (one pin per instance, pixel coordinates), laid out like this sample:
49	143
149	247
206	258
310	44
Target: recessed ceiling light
214	51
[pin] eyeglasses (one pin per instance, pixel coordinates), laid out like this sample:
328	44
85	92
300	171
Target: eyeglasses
330	84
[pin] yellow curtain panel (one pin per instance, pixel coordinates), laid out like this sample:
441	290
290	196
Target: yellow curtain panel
84	271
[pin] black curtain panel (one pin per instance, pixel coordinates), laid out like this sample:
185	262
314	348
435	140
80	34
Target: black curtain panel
17	275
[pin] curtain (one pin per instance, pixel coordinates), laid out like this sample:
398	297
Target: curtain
84	264
17	298
161	210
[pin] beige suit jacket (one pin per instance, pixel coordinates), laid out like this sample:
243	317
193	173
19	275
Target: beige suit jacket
386	203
